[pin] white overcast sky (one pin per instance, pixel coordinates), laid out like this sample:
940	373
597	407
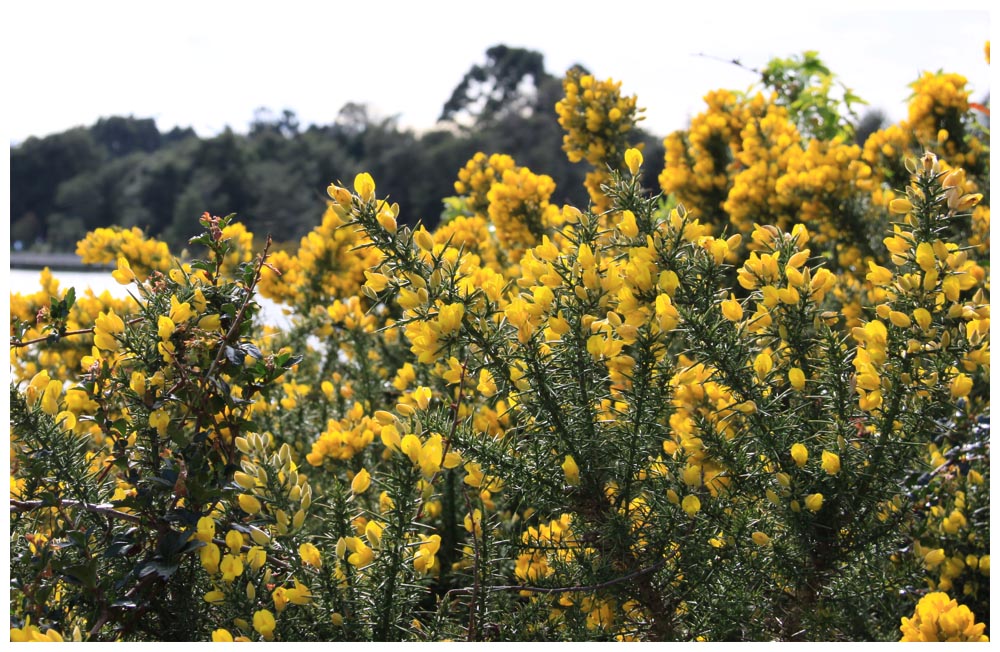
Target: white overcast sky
209	64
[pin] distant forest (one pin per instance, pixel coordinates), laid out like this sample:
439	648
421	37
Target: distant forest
125	171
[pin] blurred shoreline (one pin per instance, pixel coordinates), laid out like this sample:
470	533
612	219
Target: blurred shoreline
65	261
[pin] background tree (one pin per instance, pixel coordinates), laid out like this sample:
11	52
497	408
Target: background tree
125	171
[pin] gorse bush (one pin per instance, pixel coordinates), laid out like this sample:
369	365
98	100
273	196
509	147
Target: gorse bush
752	406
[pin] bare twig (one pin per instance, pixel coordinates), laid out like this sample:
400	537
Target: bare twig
735	62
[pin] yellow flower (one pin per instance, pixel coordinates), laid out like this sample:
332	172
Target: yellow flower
797	378
159	419
215	596
387	220
450	318
210	323
763	364
166	350
245	480
339	195
878	275
424	239
234	541
362	480
361	555
124	273
925	257
571	471
814	502
692	475
137	383
373	531
222	636
628	226
299	594
487	386
900	206
198	301
760	538
633	159
376	281
691	505
425	559
831	463
179	312
106	326
731	309
961	385
50	397
256	557
800	454
165	327
206	529
263	622
364	185
31	634
934	557
231	567
474	522
210	558
280	598
310	555
899	319
249	504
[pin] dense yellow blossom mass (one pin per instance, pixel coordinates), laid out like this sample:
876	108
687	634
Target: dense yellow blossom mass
714	414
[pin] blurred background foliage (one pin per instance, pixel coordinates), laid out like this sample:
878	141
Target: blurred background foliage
124	171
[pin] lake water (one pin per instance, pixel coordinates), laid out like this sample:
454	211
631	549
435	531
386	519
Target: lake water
25	281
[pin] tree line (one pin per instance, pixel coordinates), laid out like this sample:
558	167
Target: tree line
125	171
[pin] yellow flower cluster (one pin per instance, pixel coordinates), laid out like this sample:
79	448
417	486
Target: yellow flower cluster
344	438
473	235
767	145
938	618
698	398
271	486
551	541
938	103
743	161
478	176
597	120
144	255
699	162
290	487
941	118
821	181
62	360
932	278
519	209
328	265
592	390
952	550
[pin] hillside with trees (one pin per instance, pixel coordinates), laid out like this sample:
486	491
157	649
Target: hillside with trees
125	171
